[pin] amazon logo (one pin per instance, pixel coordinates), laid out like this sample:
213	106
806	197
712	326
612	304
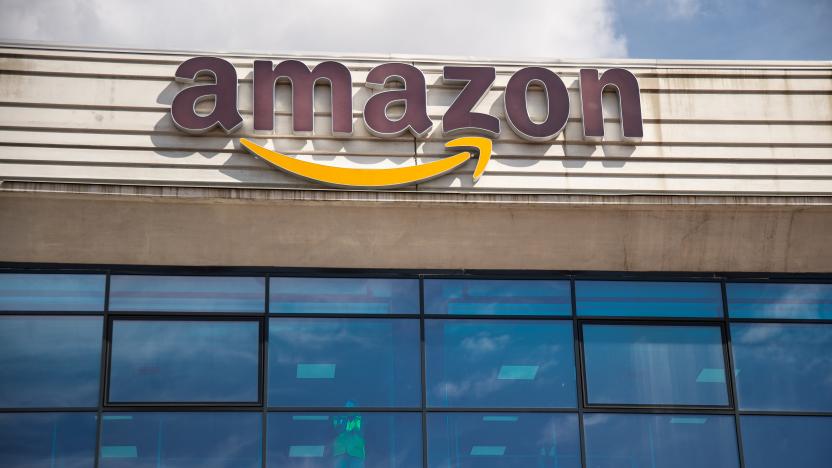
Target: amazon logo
215	79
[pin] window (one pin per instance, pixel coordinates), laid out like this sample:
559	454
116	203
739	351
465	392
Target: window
340	362
216	440
499	363
344	440
203	294
184	361
503	440
785	367
654	365
343	296
780	441
29	440
779	300
49	361
648	299
497	297
660	440
51	292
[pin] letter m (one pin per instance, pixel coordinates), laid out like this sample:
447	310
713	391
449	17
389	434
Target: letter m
303	83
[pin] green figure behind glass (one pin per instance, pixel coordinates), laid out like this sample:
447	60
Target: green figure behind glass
348	448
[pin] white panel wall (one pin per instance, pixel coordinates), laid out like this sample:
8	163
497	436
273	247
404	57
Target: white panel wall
710	128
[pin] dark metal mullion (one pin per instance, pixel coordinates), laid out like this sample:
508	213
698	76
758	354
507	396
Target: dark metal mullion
731	373
579	372
423	362
264	362
102	372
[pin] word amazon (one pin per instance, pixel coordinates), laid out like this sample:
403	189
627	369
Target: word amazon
410	94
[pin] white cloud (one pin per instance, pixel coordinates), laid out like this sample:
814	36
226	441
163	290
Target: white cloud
521	28
675	9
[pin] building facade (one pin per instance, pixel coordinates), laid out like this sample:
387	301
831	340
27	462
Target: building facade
452	272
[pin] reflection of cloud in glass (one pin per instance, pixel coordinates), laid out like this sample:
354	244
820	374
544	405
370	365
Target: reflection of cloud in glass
49	361
179	360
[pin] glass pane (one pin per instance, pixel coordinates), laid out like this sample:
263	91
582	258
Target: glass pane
47	440
654	365
500	363
49	361
503	440
58	293
344	440
782	366
343	296
184	361
181	440
497	297
783	300
344	362
786	441
648	299
131	293
660	441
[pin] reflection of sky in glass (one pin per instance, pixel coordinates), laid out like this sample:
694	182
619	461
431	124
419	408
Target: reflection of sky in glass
783	366
51	292
184	361
648	299
502	440
786	441
337	440
659	441
784	300
327	362
343	296
187	294
649	364
181	440
497	297
465	359
30	440
49	361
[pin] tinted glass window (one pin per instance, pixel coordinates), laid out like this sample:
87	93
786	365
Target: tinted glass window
503	440
47	440
344	440
497	297
499	363
656	365
58	293
772	300
648	299
781	441
49	361
660	441
783	366
181	440
184	361
335	362
187	294
343	296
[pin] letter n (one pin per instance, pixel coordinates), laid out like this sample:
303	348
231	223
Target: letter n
629	98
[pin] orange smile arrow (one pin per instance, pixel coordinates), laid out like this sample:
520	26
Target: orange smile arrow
378	178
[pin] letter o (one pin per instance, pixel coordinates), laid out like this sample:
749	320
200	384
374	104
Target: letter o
517	112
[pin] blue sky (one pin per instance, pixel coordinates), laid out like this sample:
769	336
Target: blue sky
726	29
513	29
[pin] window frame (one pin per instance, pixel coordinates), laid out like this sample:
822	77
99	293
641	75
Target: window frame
267	272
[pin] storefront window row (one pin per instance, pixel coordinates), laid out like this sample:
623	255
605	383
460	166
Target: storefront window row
162	370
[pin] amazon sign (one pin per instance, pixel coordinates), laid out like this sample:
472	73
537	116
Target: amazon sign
459	119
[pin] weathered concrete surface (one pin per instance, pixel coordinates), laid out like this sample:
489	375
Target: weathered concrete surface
142	230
